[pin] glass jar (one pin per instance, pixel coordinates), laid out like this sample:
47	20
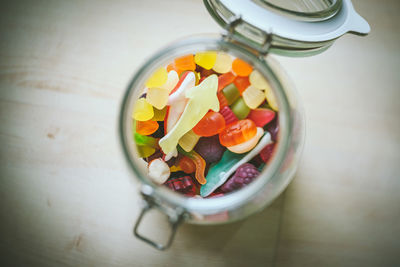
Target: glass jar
272	180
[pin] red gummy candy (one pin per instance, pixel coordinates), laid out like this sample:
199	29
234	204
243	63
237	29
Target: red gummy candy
237	132
228	114
261	116
183	185
225	79
241	83
223	102
267	151
211	124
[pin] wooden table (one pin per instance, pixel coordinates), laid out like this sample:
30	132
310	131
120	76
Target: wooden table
67	196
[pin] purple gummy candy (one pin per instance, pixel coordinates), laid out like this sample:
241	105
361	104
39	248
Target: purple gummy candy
210	149
273	128
242	177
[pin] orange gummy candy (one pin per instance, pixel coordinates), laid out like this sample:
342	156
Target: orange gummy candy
187	165
185	63
237	132
225	79
241	83
223	102
146	127
241	68
211	124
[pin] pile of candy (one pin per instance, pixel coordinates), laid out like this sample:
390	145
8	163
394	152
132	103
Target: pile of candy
206	124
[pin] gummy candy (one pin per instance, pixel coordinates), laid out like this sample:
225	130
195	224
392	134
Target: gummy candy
253	97
247	145
220	172
257	80
146	127
159	114
266	153
273	128
225	79
240	109
187	165
231	93
241	68
201	98
205	73
183	185
223	63
157	97
177	100
158	171
243	176
142	111
210	149
228	115
172	80
145	151
188	141
241	83
185	63
205	59
237	132
199	162
211	124
269	95
158	78
222	100
261	116
174	168
143	140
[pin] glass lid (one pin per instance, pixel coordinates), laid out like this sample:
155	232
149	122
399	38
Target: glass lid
288	27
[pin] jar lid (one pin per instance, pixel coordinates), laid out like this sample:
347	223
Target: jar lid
287	27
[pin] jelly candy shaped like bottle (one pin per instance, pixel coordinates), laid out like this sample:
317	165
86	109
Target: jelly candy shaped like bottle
257	80
241	83
199	163
223	63
211	124
177	101
241	68
244	175
240	109
228	115
157	97
158	79
142	111
189	141
225	79
146	127
202	98
237	132
185	63
269	95
205	60
261	116
253	97
172	80
210	149
231	93
247	145
220	172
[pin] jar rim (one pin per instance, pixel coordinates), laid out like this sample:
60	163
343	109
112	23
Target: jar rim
229	201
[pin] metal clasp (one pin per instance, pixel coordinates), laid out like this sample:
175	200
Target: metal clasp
175	218
229	35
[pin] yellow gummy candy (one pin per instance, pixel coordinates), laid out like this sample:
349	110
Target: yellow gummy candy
257	80
205	59
188	141
201	99
159	114
269	95
157	97
172	80
253	97
158	79
223	63
142	111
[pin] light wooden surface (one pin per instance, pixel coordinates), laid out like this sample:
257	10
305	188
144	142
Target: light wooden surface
67	198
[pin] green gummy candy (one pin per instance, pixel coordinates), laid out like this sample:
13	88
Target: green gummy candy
231	93
143	140
240	109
